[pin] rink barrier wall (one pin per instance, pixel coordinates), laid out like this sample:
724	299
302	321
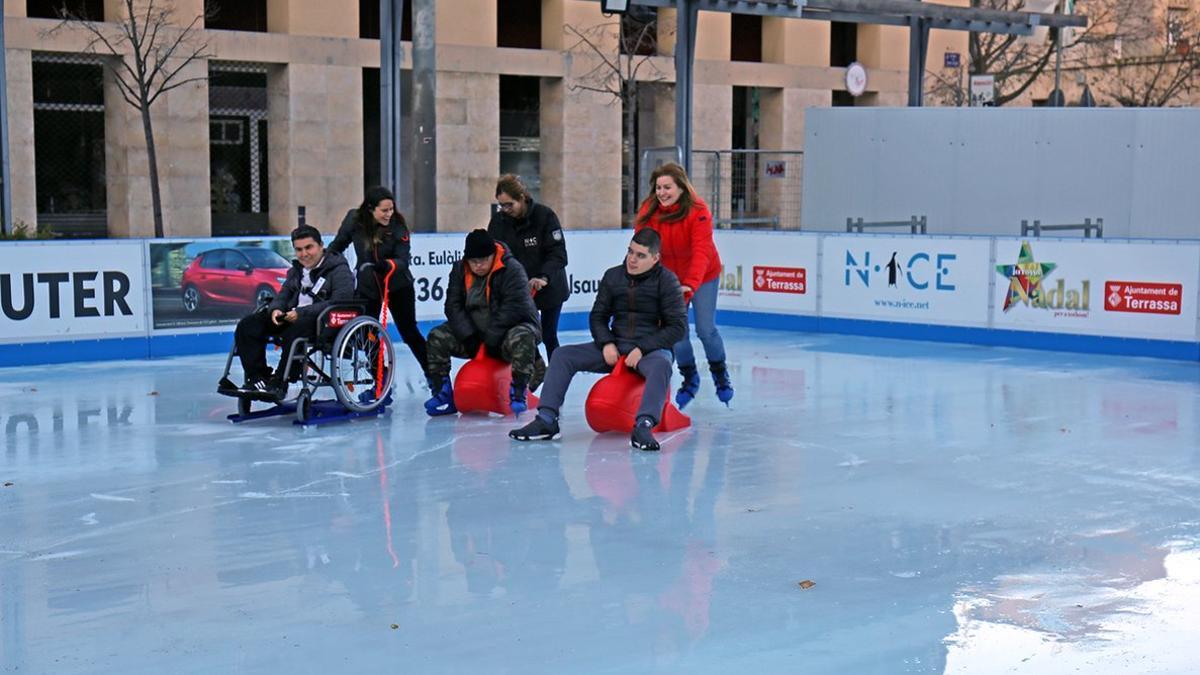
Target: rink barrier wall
980	170
95	301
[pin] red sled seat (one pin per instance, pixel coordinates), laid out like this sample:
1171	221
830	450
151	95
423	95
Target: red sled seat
481	386
613	402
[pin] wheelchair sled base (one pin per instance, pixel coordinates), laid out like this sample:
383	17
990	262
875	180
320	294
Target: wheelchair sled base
345	355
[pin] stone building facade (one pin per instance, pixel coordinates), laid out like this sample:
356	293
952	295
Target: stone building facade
288	115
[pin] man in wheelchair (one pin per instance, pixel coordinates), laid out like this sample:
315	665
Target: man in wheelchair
317	279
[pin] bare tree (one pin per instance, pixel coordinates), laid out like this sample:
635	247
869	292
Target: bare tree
1016	62
1131	54
1147	59
619	75
147	52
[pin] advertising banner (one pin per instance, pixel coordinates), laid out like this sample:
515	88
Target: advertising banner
71	291
1115	289
768	272
213	282
911	279
588	255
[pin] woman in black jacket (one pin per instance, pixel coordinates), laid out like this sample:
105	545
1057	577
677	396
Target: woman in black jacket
533	235
379	235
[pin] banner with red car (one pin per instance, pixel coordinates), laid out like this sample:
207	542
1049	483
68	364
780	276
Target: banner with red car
213	282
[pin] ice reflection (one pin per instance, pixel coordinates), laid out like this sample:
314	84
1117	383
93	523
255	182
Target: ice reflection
1015	501
1126	607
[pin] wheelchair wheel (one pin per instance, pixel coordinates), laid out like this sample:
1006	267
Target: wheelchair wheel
304	406
355	364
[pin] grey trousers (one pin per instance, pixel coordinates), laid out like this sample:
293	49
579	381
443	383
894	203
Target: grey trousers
587	357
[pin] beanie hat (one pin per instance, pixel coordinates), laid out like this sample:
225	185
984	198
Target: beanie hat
479	245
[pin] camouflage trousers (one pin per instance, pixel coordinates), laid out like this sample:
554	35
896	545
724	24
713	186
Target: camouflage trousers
518	348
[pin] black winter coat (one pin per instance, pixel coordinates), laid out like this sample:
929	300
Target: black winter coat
395	247
644	311
508	300
536	240
338	286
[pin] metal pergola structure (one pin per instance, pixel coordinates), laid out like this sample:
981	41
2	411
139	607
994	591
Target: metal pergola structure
424	83
918	16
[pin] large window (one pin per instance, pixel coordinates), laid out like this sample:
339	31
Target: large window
372	136
246	15
843	50
1177	29
237	153
68	137
843	44
520	129
368	20
639	31
519	24
745	44
49	9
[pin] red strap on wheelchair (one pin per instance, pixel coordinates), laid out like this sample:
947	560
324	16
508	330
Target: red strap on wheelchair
387	279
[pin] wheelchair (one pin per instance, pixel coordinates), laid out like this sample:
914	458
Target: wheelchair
351	353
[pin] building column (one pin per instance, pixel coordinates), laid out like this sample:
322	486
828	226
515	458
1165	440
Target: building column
793	42
309	17
314	123
796	42
180	127
179	122
468	120
883	48
664	94
19	66
581	130
712	116
314	144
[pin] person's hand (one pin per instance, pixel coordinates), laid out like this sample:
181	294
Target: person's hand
611	354
686	290
633	358
291	316
277	317
536	284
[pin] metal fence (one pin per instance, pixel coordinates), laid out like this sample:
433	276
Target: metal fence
745	189
750	189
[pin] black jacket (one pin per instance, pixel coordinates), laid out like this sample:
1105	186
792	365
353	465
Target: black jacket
644	311
395	246
536	240
338	286
508	299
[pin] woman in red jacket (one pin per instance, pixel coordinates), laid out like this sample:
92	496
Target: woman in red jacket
683	221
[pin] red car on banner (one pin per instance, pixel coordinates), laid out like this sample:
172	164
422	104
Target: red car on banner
233	276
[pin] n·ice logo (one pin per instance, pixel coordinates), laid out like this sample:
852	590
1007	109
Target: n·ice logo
915	271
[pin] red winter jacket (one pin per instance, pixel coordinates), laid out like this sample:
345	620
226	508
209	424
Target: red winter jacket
687	245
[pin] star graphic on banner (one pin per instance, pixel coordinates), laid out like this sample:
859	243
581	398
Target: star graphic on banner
1024	278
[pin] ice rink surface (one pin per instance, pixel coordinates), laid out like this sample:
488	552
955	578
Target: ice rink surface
956	509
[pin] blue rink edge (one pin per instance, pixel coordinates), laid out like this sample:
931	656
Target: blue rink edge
162	346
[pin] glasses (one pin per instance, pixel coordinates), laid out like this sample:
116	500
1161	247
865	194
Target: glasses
506	206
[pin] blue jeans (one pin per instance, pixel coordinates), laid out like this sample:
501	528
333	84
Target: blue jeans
704	310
